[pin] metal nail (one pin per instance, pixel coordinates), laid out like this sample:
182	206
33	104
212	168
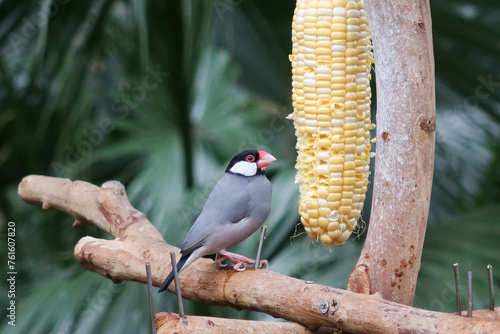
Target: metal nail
469	294
150	298
490	284
259	249
457	288
177	285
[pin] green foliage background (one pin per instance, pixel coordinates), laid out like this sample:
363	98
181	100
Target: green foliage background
159	95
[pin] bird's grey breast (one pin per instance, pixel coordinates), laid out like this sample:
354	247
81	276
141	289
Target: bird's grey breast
260	197
234	199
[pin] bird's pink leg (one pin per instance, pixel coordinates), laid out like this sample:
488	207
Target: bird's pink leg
233	256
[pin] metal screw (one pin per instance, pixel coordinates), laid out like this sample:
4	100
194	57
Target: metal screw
335	305
324	307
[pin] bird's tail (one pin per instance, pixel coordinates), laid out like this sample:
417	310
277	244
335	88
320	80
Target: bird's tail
170	276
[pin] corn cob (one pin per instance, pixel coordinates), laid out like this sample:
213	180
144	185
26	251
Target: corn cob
331	62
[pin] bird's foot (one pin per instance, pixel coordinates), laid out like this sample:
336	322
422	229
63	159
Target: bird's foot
239	261
240	265
219	260
263	263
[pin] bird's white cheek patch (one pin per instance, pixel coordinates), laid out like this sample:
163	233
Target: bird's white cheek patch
244	168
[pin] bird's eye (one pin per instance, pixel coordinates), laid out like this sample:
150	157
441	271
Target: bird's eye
250	158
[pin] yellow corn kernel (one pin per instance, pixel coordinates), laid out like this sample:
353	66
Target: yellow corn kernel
331	63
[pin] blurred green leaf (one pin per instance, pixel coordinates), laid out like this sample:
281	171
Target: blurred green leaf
471	240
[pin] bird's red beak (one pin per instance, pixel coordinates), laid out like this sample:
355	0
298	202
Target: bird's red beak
264	159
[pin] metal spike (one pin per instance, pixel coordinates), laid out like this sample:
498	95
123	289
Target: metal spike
177	285
490	284
150	298
469	294
259	249
457	288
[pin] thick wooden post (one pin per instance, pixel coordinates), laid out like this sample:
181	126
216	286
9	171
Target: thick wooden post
406	118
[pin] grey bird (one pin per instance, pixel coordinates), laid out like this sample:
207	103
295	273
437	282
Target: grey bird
237	206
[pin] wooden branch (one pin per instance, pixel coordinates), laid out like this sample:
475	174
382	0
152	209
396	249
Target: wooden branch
107	206
406	118
257	290
168	323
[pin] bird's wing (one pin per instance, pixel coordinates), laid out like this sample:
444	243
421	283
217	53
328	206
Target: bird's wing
188	249
228	203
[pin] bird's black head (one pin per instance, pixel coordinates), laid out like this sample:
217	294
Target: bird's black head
250	163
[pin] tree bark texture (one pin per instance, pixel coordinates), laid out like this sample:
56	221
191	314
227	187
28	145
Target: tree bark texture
404	66
138	242
168	323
